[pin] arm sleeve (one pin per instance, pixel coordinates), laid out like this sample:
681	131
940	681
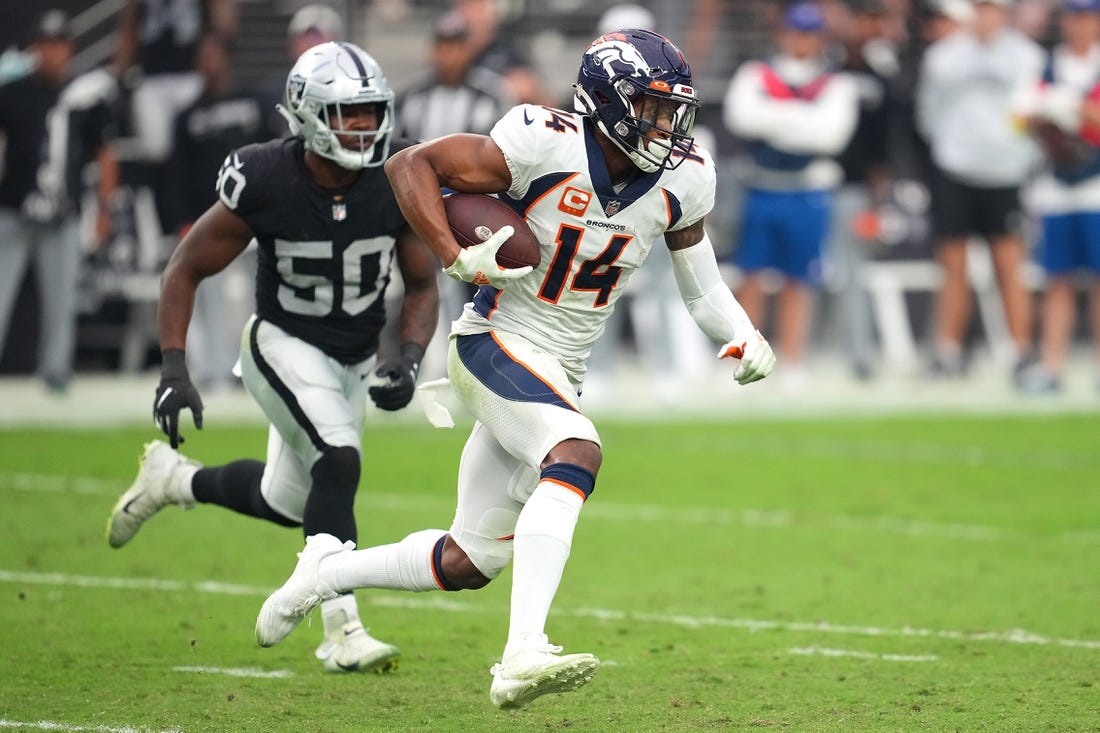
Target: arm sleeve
708	300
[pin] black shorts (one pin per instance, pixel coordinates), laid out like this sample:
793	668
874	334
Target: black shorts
962	210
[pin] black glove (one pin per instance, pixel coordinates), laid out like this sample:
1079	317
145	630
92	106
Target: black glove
393	383
174	393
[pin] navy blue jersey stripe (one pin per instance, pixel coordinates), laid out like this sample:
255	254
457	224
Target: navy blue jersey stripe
535	191
283	391
485	300
505	376
675	210
601	180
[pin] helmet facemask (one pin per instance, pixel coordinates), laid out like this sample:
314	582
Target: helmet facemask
323	129
672	117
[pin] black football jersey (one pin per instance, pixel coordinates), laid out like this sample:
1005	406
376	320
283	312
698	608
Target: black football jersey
324	254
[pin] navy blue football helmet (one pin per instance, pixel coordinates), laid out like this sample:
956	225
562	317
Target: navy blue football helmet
632	82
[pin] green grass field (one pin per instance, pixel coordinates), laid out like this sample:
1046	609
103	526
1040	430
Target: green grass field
893	574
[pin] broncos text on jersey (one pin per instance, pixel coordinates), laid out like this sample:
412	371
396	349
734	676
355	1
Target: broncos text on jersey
593	235
324	254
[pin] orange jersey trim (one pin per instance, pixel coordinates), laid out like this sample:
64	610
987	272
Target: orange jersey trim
564	485
547	193
526	366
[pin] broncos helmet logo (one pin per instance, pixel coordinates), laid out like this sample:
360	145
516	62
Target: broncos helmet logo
619	58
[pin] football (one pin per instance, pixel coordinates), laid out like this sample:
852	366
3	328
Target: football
474	217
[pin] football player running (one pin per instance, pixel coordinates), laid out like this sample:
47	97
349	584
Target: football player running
598	187
328	228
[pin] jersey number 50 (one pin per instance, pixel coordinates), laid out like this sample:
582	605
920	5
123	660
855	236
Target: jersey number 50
313	280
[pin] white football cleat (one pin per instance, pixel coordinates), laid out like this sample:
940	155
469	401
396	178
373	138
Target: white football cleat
302	592
352	649
159	482
532	673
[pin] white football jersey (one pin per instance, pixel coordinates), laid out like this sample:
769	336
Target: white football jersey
593	235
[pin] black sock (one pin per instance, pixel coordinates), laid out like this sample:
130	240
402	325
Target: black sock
236	486
331	503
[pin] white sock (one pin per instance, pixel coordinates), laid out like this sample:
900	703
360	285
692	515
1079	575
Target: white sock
543	538
184	476
404	565
335	612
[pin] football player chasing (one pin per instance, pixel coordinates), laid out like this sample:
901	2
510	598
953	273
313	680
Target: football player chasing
597	187
328	227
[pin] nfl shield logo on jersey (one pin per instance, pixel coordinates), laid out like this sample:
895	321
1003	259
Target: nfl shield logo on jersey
339	212
613	208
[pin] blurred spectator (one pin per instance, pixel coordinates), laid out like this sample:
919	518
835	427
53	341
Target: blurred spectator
872	62
498	50
971	86
621	16
911	157
1067	195
948	16
1033	18
54	128
311	25
219	121
452	95
157	38
795	115
935	21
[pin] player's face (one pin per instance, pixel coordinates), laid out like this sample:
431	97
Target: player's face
1080	29
662	117
355	119
802	44
53	58
656	116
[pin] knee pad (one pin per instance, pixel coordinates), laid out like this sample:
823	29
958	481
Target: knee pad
337	470
489	545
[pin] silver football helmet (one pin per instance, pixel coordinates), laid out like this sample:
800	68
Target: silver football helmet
324	82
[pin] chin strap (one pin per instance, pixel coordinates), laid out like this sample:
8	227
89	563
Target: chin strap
291	120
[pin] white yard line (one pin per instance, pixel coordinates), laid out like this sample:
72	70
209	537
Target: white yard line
609	511
441	603
824	652
912	453
53	725
239	672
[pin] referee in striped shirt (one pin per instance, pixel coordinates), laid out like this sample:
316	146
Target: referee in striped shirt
452	95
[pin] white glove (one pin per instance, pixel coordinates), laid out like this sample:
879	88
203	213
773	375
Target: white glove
1061	105
756	355
477	263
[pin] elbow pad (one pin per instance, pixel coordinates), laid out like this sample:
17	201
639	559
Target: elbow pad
708	300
